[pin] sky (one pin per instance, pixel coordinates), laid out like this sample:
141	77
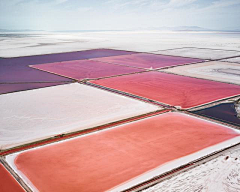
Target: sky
54	15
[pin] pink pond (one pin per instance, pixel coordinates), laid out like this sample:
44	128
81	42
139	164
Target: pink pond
171	89
144	60
110	158
7	181
14	70
82	69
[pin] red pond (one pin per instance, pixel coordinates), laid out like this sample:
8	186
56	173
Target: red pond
103	160
7	182
171	89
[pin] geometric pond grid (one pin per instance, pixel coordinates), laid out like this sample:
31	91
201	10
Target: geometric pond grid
114	120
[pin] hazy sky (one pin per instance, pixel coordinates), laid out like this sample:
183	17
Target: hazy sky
118	14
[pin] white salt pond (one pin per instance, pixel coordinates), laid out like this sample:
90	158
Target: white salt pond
214	70
200	53
32	115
